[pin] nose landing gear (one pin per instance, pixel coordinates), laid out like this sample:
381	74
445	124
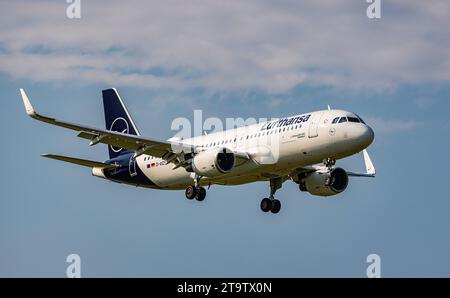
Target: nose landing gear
329	162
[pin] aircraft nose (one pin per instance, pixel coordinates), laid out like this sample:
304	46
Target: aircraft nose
366	135
370	134
361	135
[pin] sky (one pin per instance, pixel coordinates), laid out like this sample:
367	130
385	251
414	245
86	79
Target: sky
228	59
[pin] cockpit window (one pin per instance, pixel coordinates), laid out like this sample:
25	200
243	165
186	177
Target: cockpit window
343	119
353	119
360	119
335	120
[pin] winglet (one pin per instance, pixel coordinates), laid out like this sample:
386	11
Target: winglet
370	169
26	102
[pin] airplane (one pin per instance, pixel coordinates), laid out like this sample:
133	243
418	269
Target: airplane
302	148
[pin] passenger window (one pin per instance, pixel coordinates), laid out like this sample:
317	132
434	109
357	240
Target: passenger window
343	119
335	120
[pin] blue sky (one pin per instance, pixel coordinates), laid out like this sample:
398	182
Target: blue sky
248	59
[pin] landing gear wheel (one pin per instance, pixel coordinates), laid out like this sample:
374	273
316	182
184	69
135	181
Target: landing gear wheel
329	162
190	192
266	205
276	206
201	194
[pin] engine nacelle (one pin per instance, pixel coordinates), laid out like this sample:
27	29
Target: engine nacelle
325	183
213	163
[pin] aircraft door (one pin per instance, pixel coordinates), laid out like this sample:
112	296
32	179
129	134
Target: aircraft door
314	125
235	138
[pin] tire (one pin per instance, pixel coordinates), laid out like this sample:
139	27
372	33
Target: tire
266	205
201	194
276	206
190	192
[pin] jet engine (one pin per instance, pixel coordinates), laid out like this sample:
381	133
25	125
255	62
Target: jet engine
324	182
213	163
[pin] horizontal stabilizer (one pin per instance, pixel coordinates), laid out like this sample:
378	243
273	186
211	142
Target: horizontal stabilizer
81	162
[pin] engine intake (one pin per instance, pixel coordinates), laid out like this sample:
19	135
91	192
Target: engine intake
213	163
325	183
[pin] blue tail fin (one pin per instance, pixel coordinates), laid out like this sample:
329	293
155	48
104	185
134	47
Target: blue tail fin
117	118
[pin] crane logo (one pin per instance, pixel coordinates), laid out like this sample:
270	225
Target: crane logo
119	125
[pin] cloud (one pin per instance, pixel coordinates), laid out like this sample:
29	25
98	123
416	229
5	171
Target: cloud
390	126
223	45
424	102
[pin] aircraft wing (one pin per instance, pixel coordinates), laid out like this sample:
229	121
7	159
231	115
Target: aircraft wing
139	145
370	168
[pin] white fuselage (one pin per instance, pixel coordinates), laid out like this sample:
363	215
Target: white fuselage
275	148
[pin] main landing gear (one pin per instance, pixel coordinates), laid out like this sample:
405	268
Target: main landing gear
199	193
195	191
271	204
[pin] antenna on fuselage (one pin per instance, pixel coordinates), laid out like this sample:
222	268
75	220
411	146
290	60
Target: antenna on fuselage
329	108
